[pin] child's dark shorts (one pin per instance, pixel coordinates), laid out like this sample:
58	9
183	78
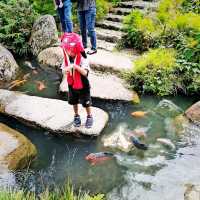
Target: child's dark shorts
79	96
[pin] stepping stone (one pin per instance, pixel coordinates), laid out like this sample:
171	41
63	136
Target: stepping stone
16	151
108	46
107	61
108	35
109	87
110	25
51	114
114	18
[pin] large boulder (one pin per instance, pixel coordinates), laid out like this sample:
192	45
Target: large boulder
44	34
8	65
193	113
52	56
51	114
16	151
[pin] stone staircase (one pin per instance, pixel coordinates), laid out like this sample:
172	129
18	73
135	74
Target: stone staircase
110	30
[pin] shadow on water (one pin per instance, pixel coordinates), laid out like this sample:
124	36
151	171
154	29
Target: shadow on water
135	175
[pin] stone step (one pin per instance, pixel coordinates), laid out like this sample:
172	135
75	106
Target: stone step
109	25
108	46
51	114
121	11
138	5
110	61
114	18
108	35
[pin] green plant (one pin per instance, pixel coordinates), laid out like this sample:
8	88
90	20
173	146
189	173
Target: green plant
66	194
191	6
17	18
156	59
43	6
114	2
102	9
153	72
141	31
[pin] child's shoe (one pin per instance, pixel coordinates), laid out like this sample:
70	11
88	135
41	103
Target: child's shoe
77	121
89	122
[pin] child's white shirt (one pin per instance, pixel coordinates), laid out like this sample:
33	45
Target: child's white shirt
84	64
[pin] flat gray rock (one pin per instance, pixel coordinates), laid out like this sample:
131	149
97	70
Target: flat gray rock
109	87
107	61
51	114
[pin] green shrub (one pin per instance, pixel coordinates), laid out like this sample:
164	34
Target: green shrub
153	72
43	6
173	26
114	2
191	6
102	9
17	18
141	31
157	59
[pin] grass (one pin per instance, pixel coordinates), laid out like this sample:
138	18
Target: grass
67	193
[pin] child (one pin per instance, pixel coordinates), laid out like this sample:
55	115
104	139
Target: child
64	8
77	68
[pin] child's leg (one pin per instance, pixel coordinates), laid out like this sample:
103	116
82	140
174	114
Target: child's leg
77	119
88	110
89	120
75	109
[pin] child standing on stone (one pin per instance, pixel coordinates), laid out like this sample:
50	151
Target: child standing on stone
64	8
77	68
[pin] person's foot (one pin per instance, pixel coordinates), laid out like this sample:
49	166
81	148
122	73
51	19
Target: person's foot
92	51
77	121
89	122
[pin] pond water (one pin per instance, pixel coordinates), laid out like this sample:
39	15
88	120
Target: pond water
158	173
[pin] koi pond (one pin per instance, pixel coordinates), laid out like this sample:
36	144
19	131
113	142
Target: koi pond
154	174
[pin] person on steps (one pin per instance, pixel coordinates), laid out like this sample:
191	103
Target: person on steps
64	8
87	16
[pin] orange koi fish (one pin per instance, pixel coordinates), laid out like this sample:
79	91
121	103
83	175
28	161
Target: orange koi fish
139	114
97	158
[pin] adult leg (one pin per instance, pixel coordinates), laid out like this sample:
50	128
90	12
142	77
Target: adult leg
90	23
67	7
61	16
82	23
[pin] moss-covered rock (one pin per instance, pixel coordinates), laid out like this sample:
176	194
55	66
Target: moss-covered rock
16	151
